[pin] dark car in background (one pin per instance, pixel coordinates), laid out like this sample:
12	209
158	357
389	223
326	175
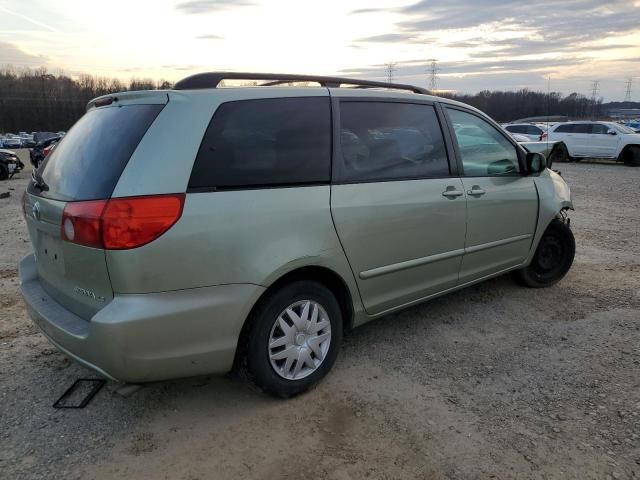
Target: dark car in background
10	164
39	152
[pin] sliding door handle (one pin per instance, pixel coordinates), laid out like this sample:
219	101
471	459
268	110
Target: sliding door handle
452	192
476	191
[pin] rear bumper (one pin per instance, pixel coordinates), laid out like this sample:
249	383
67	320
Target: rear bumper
147	337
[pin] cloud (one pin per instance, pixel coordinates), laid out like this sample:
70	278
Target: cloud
367	10
179	67
209	37
28	19
393	38
556	20
13	55
418	67
207	6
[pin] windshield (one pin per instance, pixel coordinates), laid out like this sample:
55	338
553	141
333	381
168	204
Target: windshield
87	163
622	128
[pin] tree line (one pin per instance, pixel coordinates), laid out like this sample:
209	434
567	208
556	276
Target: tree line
38	100
509	106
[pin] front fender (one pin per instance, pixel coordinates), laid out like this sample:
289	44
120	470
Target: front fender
554	195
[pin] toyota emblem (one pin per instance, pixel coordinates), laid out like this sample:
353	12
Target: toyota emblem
36	210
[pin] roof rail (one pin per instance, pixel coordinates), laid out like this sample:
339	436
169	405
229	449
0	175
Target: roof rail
213	79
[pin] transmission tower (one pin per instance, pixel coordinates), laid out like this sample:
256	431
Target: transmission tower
433	75
390	70
595	89
627	95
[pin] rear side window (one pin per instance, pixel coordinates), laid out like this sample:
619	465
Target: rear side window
390	141
565	128
598	128
517	128
89	160
582	128
265	142
533	130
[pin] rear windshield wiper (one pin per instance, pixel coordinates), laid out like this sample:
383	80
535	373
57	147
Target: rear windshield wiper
38	181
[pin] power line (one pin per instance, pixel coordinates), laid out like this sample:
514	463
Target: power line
627	95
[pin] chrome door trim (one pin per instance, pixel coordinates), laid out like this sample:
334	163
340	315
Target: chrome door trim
497	243
416	262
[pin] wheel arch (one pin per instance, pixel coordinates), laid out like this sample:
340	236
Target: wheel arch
554	198
628	150
323	275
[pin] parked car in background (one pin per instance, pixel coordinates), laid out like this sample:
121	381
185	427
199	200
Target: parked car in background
553	151
10	164
12	142
38	153
531	131
633	125
518	137
293	214
598	140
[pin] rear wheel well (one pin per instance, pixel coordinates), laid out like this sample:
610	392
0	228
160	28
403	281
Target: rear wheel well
630	155
325	276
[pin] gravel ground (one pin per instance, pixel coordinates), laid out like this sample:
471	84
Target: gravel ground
496	381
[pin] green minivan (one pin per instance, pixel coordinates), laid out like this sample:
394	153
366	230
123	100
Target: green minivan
190	231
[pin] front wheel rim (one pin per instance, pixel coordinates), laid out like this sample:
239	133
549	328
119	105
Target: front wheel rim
299	340
550	256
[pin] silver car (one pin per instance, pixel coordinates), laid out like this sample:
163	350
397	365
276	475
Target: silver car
283	217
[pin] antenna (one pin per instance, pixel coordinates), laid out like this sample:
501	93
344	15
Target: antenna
433	76
627	95
390	70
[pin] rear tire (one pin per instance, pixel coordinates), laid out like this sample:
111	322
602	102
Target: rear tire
631	156
4	172
293	338
553	257
559	154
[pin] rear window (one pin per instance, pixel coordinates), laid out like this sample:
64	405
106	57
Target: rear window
265	143
89	160
517	128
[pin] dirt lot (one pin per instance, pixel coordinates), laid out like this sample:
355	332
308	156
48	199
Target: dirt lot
497	381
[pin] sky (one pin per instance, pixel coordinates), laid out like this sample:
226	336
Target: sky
477	45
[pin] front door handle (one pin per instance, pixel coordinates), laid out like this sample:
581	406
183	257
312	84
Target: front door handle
476	191
452	192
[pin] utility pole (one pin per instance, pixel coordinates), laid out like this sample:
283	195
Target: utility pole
595	89
627	95
433	76
390	70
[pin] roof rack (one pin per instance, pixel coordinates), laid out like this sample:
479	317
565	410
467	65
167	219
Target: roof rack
213	79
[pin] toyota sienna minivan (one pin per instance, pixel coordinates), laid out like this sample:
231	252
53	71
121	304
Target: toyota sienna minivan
194	230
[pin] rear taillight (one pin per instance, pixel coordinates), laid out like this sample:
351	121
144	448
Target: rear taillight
135	221
46	150
120	223
543	136
82	223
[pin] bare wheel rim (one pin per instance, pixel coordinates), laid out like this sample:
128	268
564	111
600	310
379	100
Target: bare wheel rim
300	339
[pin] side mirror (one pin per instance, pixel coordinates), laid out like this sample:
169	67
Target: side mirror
611	132
536	162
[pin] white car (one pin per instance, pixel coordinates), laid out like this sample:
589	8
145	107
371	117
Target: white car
531	131
598	140
518	137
